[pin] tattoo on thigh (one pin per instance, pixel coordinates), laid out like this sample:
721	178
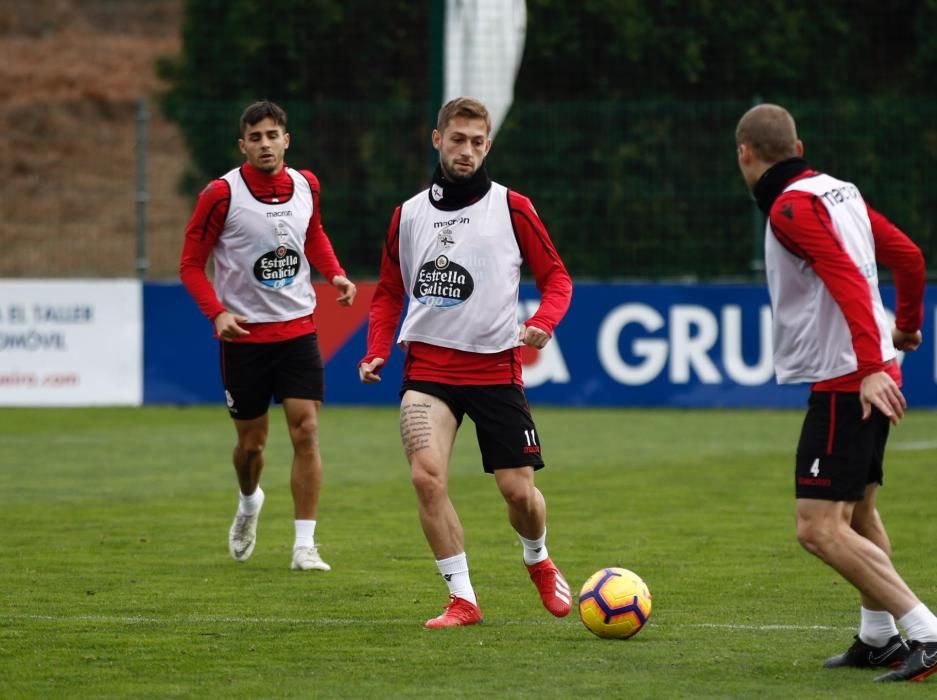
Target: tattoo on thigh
414	427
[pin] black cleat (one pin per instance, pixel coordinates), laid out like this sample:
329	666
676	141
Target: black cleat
861	655
921	662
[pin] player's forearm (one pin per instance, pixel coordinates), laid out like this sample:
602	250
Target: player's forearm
201	290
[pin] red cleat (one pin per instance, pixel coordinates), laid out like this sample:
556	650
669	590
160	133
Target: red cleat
553	589
458	613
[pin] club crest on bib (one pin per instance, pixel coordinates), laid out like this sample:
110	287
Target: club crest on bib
442	282
445	238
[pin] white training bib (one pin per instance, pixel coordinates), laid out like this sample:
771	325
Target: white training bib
261	271
811	338
461	270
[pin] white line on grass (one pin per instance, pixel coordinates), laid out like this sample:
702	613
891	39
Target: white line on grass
920	445
337	622
762	628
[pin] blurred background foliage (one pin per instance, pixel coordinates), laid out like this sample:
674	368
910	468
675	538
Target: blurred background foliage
622	128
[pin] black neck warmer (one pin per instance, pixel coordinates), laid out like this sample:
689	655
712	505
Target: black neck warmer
773	181
448	195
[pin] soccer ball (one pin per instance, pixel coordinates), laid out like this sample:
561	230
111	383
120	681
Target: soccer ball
614	603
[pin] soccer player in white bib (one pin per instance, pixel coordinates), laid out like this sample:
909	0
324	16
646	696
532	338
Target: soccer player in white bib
823	245
456	250
261	222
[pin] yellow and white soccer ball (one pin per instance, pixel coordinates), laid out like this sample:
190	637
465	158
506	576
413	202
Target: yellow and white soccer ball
614	603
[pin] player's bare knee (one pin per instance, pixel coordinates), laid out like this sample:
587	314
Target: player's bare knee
519	496
808	543
251	442
305	433
250	454
428	483
815	535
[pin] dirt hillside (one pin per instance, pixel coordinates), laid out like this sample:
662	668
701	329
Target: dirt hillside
72	73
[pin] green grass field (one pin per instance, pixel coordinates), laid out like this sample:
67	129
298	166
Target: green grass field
116	580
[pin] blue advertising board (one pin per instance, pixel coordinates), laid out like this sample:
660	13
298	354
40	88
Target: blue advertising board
673	345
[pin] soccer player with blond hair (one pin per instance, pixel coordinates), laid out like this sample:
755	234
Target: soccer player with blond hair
456	250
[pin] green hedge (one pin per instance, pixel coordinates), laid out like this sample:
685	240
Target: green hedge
622	126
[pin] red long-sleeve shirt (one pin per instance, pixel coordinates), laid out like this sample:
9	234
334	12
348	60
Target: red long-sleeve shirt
434	363
813	239
206	225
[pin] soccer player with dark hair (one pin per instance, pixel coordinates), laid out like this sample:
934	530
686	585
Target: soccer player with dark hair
262	224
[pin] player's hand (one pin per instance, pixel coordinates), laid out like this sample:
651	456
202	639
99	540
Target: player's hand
533	336
367	371
226	325
905	341
346	289
879	389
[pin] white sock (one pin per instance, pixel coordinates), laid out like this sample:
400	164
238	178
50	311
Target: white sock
455	571
305	533
876	627
535	551
920	624
248	505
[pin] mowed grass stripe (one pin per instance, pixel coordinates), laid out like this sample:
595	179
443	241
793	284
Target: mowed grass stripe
116	581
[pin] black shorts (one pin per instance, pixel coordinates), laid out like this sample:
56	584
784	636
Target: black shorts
507	436
255	373
839	454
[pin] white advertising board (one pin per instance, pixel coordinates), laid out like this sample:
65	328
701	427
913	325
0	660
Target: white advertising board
71	342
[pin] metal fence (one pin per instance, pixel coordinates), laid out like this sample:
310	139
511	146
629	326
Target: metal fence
637	190
652	189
